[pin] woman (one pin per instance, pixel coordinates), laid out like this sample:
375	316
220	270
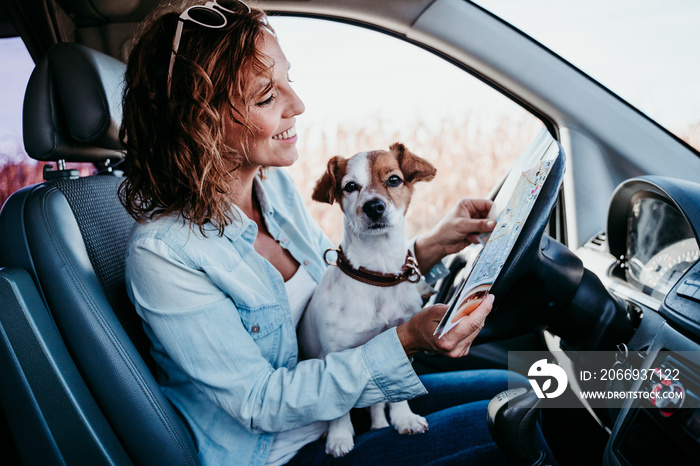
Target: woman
207	108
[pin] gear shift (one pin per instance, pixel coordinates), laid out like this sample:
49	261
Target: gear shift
512	418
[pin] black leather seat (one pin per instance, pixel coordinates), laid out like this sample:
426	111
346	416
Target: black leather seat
75	384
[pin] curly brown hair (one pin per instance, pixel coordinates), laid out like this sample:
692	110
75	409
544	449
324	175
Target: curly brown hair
177	160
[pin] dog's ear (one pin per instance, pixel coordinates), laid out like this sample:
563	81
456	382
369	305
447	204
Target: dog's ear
413	167
327	187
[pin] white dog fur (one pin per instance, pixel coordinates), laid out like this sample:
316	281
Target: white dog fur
344	312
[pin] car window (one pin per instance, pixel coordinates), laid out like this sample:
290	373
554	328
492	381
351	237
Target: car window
364	90
641	50
16	168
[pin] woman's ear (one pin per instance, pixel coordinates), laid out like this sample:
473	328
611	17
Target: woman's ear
413	167
328	186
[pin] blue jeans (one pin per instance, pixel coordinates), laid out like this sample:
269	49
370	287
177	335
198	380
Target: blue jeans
455	408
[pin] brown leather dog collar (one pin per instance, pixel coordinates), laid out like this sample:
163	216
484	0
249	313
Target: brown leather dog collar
409	271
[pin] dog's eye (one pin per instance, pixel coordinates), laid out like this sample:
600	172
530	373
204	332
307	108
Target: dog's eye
350	186
394	181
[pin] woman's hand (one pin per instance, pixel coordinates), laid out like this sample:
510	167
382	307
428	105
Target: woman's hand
458	229
417	334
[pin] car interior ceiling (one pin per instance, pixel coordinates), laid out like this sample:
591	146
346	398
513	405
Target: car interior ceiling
101	25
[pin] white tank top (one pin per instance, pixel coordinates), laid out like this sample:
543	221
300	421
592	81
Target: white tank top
286	444
299	290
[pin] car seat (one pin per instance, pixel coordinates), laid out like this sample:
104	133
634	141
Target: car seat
76	384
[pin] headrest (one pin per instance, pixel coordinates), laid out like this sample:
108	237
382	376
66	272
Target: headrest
73	106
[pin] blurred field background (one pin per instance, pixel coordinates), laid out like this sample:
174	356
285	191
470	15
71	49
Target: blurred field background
19	171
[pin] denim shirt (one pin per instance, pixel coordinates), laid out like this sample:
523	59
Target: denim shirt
222	335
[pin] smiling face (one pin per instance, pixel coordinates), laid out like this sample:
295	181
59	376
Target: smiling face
373	188
272	109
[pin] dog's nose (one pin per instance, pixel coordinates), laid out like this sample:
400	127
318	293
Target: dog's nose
374	209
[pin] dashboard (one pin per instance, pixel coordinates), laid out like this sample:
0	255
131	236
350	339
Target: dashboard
649	258
652	234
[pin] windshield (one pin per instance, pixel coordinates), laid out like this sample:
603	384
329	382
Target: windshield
643	50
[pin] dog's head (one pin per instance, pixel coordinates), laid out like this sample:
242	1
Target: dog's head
373	188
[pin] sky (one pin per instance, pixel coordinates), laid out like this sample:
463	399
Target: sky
644	50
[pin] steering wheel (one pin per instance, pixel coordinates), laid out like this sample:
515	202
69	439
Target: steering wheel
540	276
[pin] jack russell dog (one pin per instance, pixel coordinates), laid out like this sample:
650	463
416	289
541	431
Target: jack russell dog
373	286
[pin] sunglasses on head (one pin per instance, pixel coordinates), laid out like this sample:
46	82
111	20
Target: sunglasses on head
210	15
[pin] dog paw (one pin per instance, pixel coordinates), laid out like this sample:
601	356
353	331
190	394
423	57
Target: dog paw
339	445
409	423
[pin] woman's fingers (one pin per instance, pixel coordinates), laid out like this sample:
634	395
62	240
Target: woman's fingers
477	208
474	228
470	220
417	334
459	339
460	227
469	327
